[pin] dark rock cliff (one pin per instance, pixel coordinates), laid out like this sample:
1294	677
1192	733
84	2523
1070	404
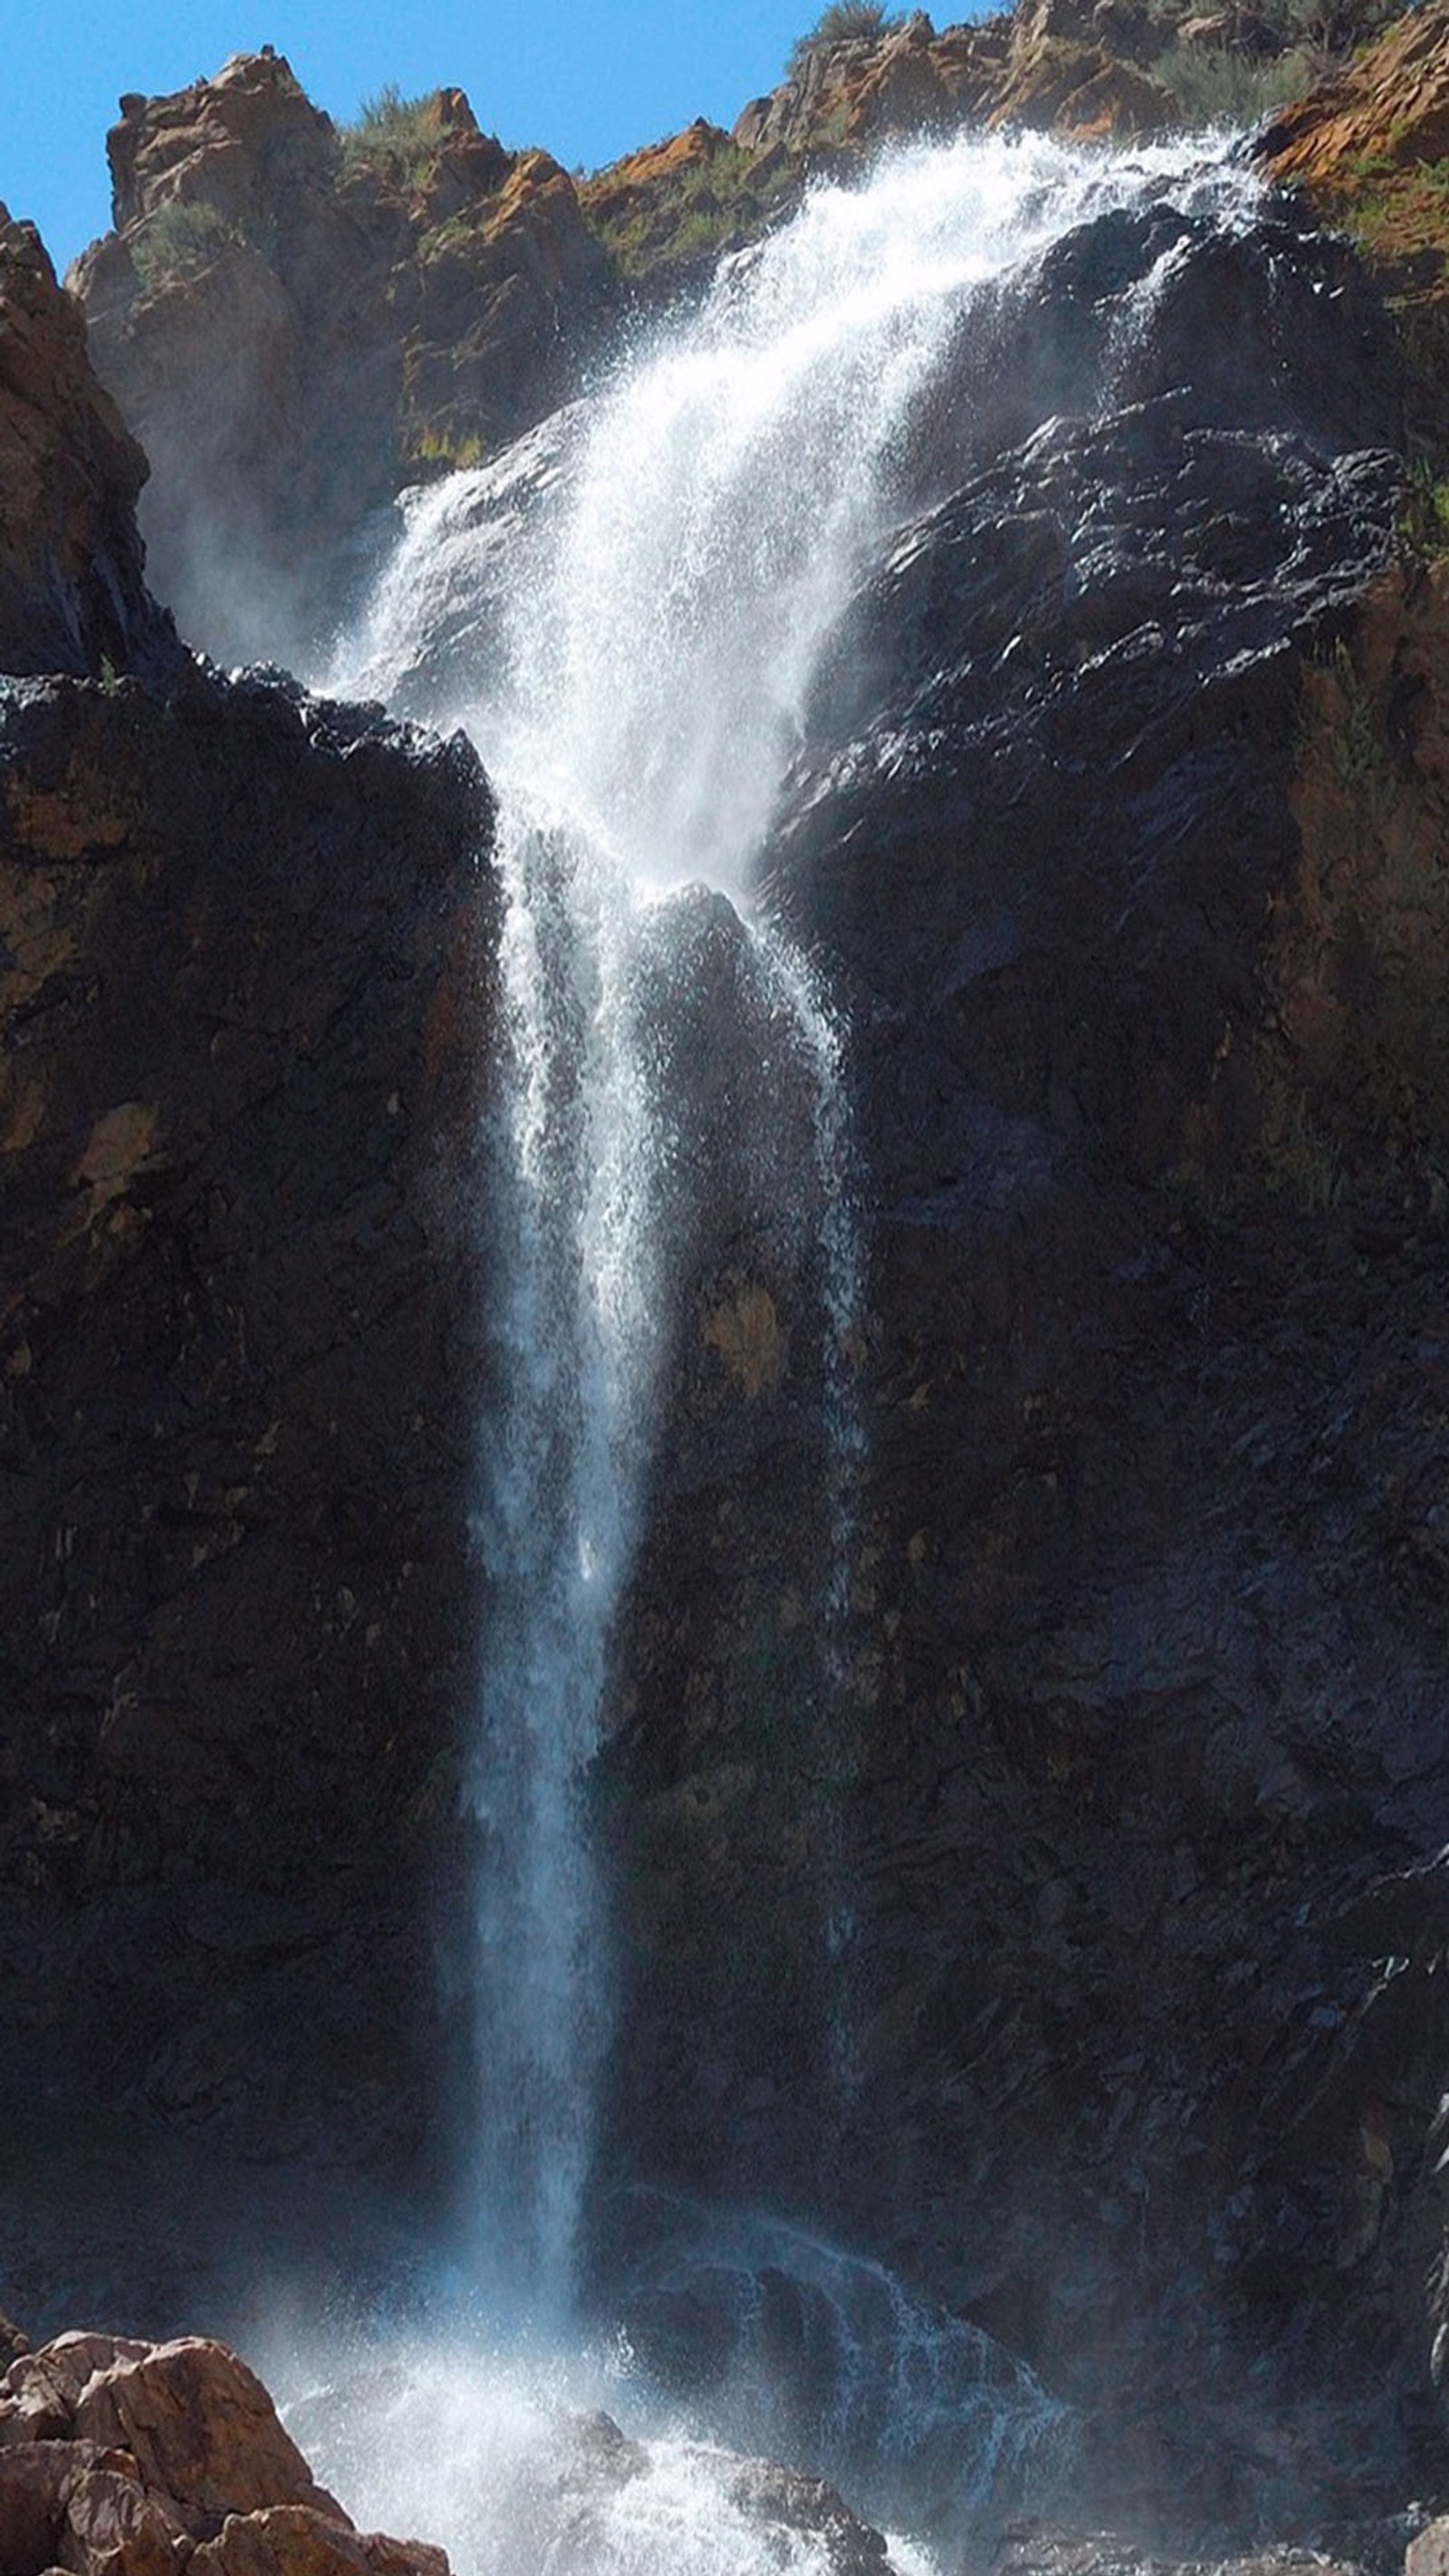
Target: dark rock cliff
244	944
1130	2029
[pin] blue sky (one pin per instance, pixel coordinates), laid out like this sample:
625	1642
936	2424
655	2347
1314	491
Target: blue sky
588	82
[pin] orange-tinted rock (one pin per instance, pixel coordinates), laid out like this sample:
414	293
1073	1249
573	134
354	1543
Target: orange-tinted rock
294	320
199	2456
201	2429
231	143
1081	93
666	213
292	2540
82	2507
1386	111
870	88
71	592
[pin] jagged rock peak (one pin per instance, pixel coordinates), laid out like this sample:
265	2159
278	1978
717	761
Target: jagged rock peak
72	595
296	317
222	142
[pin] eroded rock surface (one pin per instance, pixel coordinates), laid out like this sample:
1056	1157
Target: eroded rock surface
71	590
156	2457
292	323
1047	69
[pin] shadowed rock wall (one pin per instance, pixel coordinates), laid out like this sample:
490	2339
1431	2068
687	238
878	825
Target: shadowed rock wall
1081	1943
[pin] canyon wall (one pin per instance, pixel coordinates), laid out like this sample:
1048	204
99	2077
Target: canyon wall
1071	1929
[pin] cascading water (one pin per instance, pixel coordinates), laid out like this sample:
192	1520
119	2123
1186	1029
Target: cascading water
627	611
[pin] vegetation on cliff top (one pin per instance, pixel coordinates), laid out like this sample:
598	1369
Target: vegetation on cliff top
395	138
843	22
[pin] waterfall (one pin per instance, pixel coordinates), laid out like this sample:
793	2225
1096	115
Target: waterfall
627	611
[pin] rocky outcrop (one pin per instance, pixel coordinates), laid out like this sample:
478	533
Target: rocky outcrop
71	591
123	2458
294	320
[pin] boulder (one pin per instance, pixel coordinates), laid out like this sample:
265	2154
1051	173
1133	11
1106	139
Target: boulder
34	2477
296	2540
201	2429
43	2389
1428	2552
175	2458
113	2526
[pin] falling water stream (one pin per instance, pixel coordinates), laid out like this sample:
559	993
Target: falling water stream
626	611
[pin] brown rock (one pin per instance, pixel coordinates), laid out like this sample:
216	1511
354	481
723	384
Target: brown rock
294	321
112	2527
1366	148
1057	86
201	2428
78	2506
47	2386
1053	65
1428	2553
1386	110
229	143
294	2540
33	2480
71	592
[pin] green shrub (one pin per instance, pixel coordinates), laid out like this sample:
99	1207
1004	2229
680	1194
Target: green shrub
179	240
1424	514
394	138
840	23
1220	85
686	213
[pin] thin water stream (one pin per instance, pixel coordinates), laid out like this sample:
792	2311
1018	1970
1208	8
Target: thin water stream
627	612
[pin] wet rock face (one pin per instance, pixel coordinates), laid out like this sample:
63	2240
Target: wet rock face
1128	1716
1274	327
293	324
71	591
245	942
